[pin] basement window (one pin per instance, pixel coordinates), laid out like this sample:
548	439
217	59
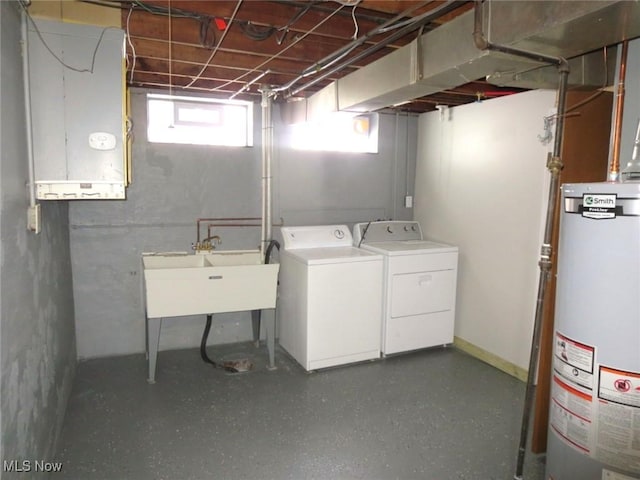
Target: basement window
199	121
338	132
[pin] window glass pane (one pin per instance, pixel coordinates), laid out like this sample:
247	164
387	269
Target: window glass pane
189	113
338	132
199	121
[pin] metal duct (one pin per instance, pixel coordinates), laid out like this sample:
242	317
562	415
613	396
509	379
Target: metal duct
439	60
592	70
447	56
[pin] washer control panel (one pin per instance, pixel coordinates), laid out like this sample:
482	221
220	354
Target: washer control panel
316	236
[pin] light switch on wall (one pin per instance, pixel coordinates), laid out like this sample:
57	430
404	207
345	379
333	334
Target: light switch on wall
408	201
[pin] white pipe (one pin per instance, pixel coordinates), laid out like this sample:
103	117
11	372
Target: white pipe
394	189
267	150
27	108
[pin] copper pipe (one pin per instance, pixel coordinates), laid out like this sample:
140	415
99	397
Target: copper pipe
226	218
220	219
614	170
211	225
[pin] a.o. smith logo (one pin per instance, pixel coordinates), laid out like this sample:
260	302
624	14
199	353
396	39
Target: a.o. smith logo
599	206
600	200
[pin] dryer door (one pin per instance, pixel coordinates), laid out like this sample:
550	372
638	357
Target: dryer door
422	292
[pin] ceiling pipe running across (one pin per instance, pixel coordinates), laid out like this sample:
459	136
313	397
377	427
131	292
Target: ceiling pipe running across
338	55
483	44
524	37
420	22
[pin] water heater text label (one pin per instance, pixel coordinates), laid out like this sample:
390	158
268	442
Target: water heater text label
599	206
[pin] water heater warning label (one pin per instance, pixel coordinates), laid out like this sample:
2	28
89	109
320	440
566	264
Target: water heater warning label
619	386
571	408
617	418
574	360
571	414
599	206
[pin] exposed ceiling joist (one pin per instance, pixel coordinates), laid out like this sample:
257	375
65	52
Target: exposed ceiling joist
175	43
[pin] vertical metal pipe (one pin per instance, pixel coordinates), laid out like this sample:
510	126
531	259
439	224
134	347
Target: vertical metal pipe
267	153
27	107
267	172
554	164
614	169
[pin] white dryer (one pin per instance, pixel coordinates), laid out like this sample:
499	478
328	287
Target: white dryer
420	280
330	297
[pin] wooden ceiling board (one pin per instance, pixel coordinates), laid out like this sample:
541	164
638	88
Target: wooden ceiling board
241	59
398	6
182	75
277	14
198	56
187	32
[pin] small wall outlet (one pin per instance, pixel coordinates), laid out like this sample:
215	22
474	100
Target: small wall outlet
408	201
33	219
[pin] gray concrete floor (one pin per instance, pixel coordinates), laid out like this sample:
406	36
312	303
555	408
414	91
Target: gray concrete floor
437	414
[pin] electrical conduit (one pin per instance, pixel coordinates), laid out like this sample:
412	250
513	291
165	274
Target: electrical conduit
27	108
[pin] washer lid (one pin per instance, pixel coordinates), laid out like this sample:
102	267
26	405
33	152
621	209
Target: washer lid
330	255
316	236
409	247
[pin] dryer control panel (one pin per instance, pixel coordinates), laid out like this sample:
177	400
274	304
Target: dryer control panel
386	230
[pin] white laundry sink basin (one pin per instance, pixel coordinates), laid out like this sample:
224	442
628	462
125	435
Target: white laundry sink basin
179	284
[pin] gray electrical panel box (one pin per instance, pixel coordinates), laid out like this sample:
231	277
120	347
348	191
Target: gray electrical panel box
78	111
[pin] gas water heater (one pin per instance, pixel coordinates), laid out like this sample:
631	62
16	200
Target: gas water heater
594	417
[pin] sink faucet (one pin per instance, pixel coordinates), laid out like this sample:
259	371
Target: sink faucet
214	239
207	244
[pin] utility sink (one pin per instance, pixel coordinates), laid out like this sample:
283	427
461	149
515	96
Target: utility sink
190	284
179	284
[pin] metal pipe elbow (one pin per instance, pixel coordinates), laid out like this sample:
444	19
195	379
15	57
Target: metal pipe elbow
479	39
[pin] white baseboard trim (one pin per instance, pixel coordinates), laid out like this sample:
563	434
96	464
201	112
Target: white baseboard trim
491	359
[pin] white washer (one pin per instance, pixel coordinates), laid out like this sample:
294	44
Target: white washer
420	279
330	297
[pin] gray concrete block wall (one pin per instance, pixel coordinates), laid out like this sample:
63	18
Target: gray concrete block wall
173	185
38	355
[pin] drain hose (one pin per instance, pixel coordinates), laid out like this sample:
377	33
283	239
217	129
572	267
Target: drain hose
267	255
228	366
207	327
